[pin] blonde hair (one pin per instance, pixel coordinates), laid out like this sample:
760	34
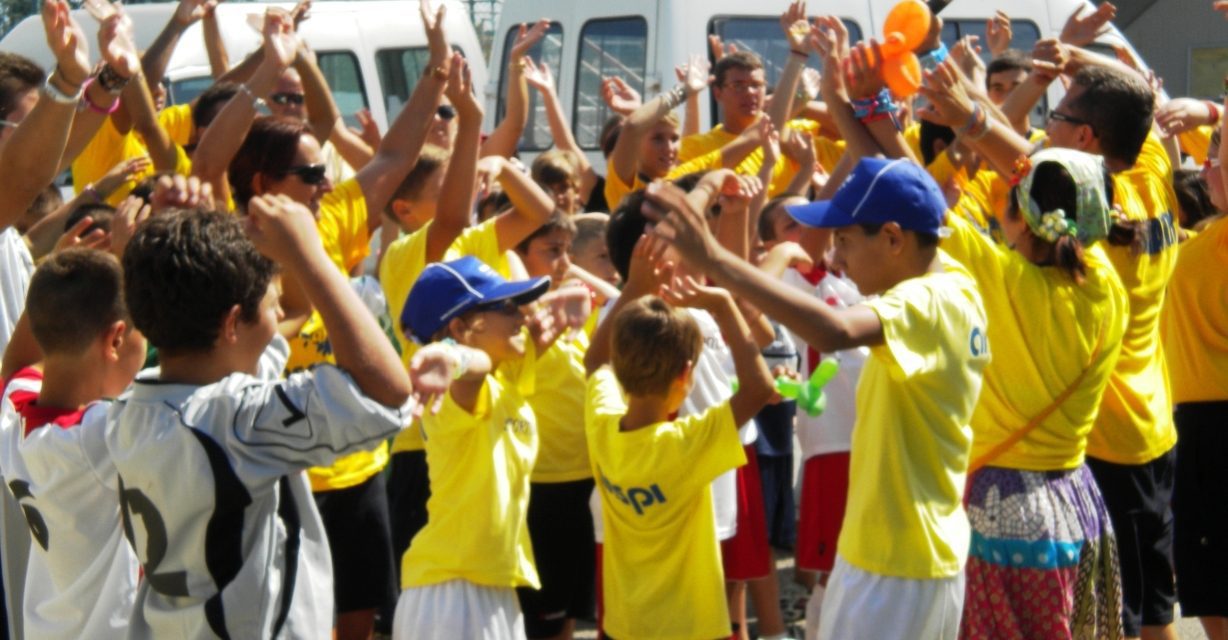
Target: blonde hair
653	344
556	167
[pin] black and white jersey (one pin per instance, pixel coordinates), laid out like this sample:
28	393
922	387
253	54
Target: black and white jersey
81	576
216	504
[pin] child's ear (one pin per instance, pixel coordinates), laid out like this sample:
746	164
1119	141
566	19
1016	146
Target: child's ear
401	209
894	236
458	329
230	325
113	340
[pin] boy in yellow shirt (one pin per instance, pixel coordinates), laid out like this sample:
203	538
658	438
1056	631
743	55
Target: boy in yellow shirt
655	474
899	570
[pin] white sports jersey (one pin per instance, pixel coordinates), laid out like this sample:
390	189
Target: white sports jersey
81	576
216	504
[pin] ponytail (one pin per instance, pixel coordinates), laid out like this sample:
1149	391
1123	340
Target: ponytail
1068	256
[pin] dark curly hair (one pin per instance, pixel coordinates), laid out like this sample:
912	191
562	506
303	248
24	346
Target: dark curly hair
183	272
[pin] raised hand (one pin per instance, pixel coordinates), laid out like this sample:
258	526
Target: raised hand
539	78
67	42
118	45
694	74
121	173
128	216
488	170
76	236
369	129
829	38
431	372
1081	30
737	191
1049	58
178	191
796	29
282	229
811	83
864	70
527	37
720	49
799	148
300	13
280	43
686	292
998	33
436	39
648	268
966	54
619	95
190	11
949	103
680	223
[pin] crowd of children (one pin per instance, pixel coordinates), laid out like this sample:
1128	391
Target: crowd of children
554	397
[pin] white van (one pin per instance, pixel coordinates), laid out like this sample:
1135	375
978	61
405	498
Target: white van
643	40
372	52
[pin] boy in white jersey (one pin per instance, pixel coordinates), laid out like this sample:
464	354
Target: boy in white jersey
81	577
210	457
899	571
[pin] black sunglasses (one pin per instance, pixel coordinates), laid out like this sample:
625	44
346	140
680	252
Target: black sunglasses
1054	114
288	98
312	174
446	112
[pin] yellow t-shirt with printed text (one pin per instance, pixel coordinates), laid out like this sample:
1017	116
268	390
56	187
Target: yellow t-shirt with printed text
1135	424
701	152
399	269
479	465
558	403
661	563
1045	331
1194	324
909	452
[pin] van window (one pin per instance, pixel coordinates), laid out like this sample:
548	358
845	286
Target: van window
608	47
549	51
185	90
399	71
340	69
763	36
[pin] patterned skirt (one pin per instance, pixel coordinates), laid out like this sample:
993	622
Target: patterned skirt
1043	561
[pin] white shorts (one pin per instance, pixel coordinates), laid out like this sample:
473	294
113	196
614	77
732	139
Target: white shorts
458	609
860	604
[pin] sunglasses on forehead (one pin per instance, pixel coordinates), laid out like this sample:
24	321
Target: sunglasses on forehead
312	174
446	112
288	98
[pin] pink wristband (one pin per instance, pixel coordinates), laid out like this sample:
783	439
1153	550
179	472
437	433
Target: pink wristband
89	102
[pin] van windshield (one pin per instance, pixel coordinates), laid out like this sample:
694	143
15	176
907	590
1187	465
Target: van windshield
763	36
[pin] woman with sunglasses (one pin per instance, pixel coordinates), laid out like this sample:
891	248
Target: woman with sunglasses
281	156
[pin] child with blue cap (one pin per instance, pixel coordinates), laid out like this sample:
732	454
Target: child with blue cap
461	570
899	569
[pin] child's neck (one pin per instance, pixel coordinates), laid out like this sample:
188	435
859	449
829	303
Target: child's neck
69	383
645	411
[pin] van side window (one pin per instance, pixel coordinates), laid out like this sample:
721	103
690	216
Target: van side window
1024	34
549	51
399	71
608	47
762	35
340	69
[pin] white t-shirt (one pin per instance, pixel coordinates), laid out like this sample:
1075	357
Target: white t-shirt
713	384
16	268
81	576
832	431
221	513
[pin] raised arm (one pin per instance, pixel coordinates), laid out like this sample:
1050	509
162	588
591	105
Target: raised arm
531	204
322	112
625	158
31	156
400	147
542	80
456	195
215	47
158	55
950	105
797	33
505	138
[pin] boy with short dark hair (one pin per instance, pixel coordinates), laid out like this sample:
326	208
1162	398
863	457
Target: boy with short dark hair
211	447
81	578
655	472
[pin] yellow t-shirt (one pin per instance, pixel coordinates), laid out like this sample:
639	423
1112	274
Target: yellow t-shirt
1195	320
1045	331
1135	424
701	152
661	564
558	404
1196	142
616	189
343	225
479	464
106	149
404	261
915	399
177	121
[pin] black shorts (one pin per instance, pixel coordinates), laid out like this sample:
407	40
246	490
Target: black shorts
1200	509
561	527
356	521
1138	497
409	487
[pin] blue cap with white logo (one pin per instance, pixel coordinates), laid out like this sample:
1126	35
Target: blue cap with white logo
447	290
879	191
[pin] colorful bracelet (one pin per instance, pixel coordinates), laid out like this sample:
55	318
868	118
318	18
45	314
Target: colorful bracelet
110	80
56	94
94	106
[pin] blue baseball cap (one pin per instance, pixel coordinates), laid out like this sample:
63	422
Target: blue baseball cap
878	191
447	290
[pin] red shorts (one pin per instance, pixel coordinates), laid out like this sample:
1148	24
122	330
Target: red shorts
747	555
825	491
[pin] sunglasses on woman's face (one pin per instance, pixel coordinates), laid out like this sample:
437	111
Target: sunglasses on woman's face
312	174
288	98
446	112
